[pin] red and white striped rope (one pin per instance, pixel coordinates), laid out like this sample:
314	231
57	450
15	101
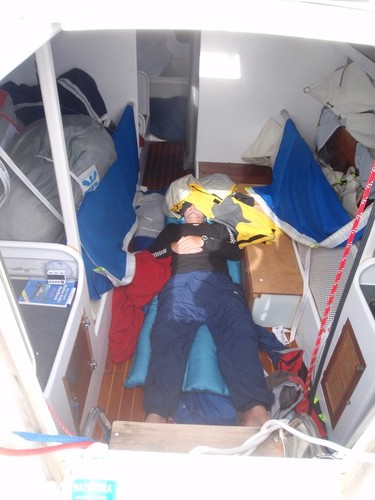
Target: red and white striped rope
58	420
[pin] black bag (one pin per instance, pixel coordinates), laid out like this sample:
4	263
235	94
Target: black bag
78	94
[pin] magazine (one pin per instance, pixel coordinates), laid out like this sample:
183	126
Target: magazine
41	292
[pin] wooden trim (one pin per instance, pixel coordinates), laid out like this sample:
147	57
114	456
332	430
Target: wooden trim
341	146
182	438
78	374
245	173
343	373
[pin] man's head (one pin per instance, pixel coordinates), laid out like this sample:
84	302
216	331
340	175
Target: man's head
192	215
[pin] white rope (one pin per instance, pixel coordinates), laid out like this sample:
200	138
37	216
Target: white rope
250	445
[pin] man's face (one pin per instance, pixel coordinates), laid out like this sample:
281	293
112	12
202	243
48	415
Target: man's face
194	216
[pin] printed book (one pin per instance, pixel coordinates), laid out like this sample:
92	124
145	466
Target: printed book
40	292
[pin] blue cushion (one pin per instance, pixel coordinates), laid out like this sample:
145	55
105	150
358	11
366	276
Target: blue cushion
202	371
234	270
138	373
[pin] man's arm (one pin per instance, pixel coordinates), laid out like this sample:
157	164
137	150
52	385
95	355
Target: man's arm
225	244
188	245
219	240
162	245
170	241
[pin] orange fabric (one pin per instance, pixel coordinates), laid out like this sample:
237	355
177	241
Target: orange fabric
128	301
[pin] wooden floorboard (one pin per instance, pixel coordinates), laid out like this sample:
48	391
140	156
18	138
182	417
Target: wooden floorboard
164	164
117	401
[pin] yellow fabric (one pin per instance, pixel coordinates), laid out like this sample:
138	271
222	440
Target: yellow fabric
252	224
258	229
248	234
180	189
201	198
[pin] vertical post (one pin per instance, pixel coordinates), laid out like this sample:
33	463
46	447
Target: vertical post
192	105
51	103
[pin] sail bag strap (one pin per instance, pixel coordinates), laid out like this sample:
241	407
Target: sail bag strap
32	188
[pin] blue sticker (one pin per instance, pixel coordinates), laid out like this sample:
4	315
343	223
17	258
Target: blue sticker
94	489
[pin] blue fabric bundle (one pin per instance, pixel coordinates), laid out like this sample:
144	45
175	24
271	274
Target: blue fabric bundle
300	199
168	118
78	94
106	217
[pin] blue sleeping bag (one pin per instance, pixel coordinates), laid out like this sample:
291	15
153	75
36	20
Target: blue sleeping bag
202	372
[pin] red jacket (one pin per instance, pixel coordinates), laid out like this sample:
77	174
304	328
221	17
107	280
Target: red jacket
128	301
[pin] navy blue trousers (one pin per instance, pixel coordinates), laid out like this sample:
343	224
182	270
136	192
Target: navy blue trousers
186	302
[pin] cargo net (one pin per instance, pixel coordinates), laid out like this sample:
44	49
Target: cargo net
323	269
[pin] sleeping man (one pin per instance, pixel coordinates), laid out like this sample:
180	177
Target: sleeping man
199	292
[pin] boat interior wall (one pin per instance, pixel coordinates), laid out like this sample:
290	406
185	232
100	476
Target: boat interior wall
274	72
34	39
164	56
24	73
163	53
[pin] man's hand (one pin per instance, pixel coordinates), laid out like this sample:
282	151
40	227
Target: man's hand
188	244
